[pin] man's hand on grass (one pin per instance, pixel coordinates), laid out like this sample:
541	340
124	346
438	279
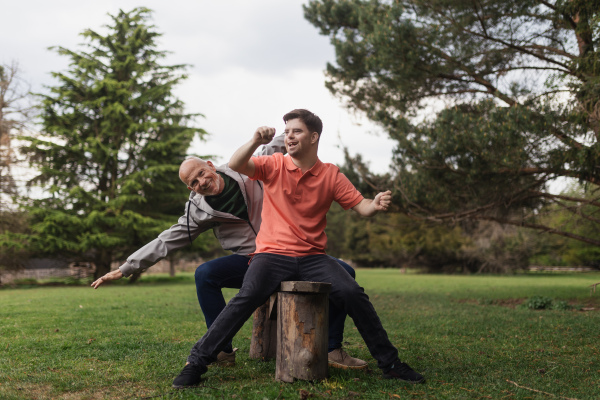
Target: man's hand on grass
111	276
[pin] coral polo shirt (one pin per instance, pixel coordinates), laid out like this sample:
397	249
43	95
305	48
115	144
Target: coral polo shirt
295	204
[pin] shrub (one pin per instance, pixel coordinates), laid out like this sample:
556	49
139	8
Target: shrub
538	303
561	305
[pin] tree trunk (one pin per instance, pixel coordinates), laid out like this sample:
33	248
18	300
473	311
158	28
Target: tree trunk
102	267
171	267
302	331
134	277
263	344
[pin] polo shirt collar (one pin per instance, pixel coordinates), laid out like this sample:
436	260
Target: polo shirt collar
314	170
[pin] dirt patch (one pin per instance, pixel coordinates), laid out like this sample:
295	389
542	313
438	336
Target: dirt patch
510	303
27	391
109	393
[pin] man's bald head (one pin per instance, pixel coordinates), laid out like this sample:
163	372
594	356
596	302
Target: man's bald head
188	163
201	176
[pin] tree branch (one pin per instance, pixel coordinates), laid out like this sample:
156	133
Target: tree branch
539	227
592	202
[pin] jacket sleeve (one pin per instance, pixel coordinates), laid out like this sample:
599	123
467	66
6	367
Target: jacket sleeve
276	146
176	237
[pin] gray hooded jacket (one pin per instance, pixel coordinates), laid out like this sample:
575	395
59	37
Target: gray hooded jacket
233	233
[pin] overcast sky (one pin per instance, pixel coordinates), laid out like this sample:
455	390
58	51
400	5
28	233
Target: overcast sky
251	62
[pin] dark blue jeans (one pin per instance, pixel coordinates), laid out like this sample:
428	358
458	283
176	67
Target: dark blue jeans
229	272
265	273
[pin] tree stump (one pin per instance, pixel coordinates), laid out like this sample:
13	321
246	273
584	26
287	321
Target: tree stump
263	344
302	331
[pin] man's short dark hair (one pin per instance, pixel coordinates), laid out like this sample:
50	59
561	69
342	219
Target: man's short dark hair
311	120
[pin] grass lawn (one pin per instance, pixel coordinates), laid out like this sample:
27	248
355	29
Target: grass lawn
463	333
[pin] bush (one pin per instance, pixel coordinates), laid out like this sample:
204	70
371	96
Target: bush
538	303
546	303
561	305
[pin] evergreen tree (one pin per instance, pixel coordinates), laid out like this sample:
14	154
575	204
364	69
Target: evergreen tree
113	138
518	86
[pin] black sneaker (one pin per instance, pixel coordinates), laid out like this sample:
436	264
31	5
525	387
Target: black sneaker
189	376
403	372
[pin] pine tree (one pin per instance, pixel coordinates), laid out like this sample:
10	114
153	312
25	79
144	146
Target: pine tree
113	137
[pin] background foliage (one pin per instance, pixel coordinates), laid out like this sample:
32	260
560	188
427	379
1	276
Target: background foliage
113	136
489	102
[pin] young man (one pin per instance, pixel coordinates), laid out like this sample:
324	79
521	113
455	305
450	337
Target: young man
230	204
299	190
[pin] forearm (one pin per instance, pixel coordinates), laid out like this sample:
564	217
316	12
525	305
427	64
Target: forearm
174	238
366	208
240	160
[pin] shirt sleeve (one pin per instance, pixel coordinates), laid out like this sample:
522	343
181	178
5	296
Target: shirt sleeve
265	167
345	193
176	237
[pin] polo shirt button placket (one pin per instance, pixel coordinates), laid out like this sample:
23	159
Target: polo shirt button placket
298	196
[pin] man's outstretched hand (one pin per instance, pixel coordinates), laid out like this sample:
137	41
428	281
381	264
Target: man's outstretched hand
111	276
368	207
383	200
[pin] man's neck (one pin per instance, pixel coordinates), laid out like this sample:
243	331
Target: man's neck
305	163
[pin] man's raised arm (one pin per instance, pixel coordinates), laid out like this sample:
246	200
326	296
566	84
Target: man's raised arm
368	207
240	161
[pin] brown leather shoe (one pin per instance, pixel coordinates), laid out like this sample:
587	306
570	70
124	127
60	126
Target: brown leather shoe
225	359
338	358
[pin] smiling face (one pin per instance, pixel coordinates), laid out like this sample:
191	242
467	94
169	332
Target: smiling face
201	177
298	140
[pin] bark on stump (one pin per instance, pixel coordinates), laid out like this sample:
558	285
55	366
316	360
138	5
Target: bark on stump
263	344
302	331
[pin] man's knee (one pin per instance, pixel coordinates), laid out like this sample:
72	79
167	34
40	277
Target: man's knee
347	268
203	274
348	292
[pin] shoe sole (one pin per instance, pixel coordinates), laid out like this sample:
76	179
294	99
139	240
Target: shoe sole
228	362
186	387
334	364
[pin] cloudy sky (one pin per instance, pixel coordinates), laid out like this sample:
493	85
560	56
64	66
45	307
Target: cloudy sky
251	62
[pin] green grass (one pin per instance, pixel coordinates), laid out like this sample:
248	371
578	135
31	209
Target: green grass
463	333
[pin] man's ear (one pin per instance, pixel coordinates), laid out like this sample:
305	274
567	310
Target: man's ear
190	188
211	165
314	138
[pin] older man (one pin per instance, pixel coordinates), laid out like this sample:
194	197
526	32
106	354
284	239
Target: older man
230	204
